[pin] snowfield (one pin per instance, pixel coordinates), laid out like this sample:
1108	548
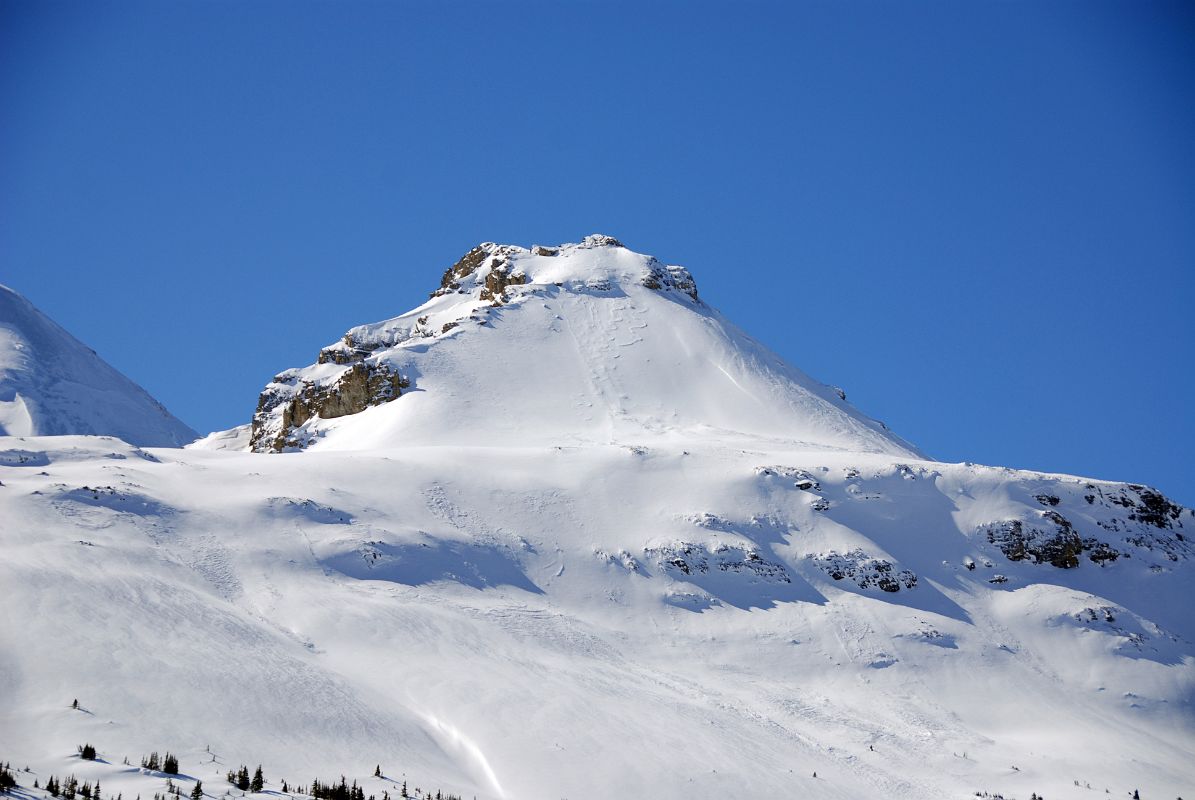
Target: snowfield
589	542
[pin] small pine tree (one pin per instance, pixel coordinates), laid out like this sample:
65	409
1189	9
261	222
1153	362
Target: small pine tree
75	703
95	791
404	794
87	752
197	791
377	771
170	764
8	781
259	782
243	778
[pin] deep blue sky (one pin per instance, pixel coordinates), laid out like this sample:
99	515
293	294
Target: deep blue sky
977	218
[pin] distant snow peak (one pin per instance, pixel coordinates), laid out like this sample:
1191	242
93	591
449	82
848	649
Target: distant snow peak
52	384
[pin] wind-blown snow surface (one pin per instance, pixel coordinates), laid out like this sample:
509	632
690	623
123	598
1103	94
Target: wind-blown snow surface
53	384
622	602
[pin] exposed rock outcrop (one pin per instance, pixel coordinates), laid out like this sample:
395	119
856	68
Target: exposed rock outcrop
864	570
498	278
476	258
1142	517
665	278
687	559
289	402
1053	541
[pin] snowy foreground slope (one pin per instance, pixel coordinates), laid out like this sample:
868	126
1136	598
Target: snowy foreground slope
52	384
637	590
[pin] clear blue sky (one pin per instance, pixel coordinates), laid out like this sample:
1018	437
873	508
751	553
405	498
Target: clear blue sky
977	218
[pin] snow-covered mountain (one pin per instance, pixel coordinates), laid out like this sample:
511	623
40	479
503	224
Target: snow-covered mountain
52	384
577	344
564	531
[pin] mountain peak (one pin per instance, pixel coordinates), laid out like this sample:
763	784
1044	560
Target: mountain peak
53	384
585	342
490	268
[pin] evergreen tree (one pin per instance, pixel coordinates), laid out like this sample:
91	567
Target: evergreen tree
197	791
404	790
170	764
377	771
259	782
75	704
95	792
87	752
243	778
8	781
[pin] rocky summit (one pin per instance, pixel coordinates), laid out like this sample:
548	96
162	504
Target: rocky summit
585	339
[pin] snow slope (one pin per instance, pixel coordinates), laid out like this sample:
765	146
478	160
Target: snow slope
609	595
53	384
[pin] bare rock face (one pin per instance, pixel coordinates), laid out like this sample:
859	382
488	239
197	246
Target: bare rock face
688	558
866	571
496	280
664	278
467	265
1141	520
1054	541
499	277
289	402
